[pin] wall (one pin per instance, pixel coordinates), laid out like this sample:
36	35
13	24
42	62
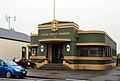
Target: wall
34	40
91	38
10	49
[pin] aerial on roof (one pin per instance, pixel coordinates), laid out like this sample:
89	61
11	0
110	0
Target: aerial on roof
13	35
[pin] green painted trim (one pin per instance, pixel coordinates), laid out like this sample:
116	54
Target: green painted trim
88	38
34	40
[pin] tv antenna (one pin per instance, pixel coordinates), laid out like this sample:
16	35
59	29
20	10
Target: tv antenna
8	19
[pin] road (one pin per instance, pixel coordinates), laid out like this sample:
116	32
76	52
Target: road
32	79
34	75
57	75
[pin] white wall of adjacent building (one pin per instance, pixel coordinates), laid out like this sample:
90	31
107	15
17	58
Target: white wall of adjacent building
10	48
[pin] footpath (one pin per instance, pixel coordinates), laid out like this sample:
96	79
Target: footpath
107	75
114	75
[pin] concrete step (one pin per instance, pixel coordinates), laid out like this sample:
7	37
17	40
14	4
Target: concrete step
54	66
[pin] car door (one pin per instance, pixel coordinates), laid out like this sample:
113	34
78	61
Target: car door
24	62
2	67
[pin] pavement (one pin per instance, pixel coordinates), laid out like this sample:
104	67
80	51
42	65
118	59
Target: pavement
113	75
71	75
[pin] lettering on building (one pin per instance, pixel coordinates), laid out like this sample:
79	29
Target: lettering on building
57	33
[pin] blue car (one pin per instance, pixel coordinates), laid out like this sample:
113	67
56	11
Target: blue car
11	69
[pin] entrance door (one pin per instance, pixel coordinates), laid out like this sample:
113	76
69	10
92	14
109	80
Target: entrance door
57	53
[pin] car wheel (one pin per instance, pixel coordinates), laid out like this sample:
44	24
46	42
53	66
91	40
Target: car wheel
8	74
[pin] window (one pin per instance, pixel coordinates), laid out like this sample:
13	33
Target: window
93	51
34	50
83	52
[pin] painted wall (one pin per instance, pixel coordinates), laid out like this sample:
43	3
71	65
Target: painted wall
61	33
83	38
34	40
10	49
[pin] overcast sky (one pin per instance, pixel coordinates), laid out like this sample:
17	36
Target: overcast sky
88	14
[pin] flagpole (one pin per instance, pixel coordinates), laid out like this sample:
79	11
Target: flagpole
54	10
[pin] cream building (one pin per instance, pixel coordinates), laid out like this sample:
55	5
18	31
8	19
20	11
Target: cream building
13	44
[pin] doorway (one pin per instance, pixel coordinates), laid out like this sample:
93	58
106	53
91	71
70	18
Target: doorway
23	52
57	53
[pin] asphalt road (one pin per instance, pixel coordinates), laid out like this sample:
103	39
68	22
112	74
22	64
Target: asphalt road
68	75
56	75
32	79
33	75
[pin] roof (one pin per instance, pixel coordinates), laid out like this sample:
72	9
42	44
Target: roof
13	35
58	22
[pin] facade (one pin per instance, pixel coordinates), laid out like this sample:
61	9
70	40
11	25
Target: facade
13	44
63	42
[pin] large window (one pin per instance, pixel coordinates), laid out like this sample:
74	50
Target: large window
33	50
93	51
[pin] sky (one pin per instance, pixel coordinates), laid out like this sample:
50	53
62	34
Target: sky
88	14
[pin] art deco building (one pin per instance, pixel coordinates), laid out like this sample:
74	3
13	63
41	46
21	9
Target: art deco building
63	42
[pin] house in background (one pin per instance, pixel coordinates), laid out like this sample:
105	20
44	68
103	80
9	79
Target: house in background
13	44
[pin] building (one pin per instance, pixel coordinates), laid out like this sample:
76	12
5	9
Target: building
63	42
13	44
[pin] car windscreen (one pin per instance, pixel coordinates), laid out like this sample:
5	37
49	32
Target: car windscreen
11	63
